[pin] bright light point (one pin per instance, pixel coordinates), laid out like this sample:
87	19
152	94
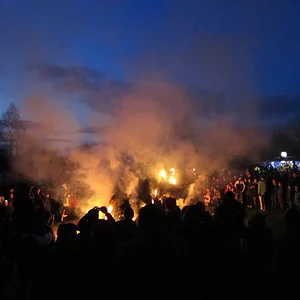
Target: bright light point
163	174
152	201
110	209
194	169
155	193
172	180
173	171
283	154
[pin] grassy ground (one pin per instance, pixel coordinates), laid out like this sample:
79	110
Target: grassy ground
275	219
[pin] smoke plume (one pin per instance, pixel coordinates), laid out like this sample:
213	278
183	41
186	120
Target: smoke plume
153	126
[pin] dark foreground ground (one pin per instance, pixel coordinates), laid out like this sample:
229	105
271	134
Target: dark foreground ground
275	221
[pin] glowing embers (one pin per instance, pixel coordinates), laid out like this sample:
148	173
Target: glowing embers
172	171
110	209
163	175
172	180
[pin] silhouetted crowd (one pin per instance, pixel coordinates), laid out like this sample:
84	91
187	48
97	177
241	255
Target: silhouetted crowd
166	253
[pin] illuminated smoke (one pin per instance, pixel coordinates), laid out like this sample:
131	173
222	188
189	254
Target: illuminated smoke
153	128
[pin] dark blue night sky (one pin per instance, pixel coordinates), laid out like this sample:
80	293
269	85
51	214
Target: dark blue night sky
239	50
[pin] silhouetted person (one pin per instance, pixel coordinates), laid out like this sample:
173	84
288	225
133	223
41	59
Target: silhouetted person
150	265
36	198
126	228
259	247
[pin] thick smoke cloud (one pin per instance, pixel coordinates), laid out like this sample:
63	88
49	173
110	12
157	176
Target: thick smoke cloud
153	126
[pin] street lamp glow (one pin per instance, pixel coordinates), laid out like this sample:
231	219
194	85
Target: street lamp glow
283	154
